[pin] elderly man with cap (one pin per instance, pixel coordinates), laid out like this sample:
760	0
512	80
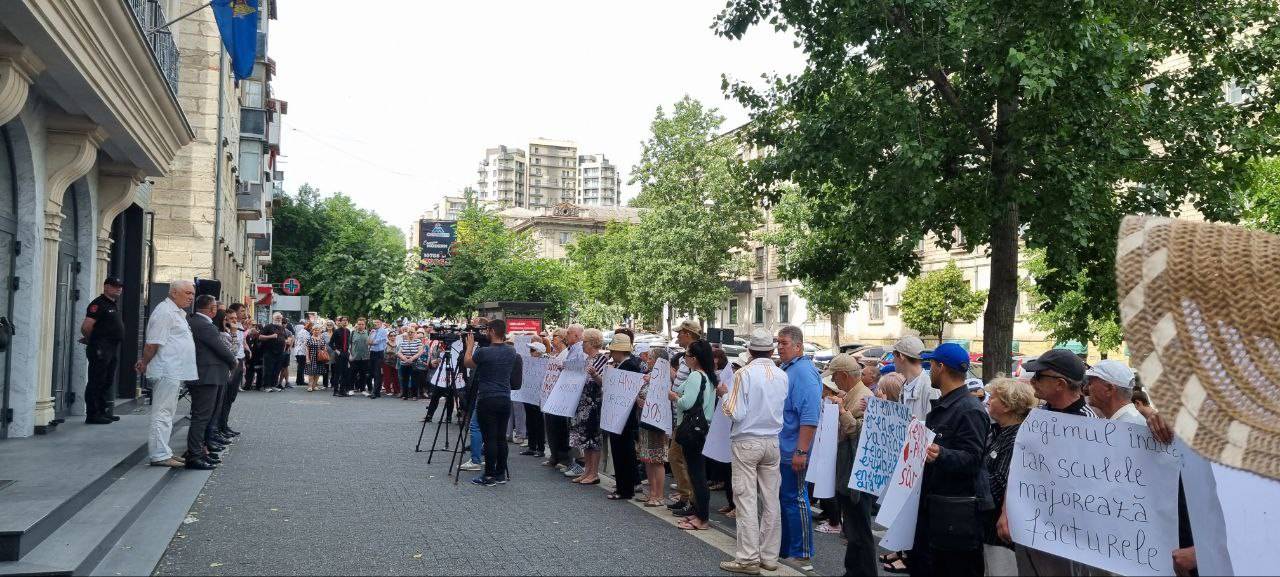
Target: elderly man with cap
1059	382
101	332
1109	386
754	405
908	361
687	332
952	485
847	375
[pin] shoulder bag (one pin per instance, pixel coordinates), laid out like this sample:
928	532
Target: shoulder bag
693	429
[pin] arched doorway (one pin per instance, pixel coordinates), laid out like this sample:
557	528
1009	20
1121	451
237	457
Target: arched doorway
8	249
64	330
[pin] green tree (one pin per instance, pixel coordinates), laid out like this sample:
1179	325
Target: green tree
1262	208
1064	316
1043	122
298	230
938	298
697	214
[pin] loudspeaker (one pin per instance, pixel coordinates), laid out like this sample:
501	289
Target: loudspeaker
720	336
209	286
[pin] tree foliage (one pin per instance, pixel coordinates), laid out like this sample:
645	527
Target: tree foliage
938	298
1044	122
1262	209
1061	317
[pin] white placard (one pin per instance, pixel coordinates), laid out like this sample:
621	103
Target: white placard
533	370
906	476
1233	517
822	454
1096	491
521	343
620	391
657	407
901	535
563	399
717	446
884	430
554	366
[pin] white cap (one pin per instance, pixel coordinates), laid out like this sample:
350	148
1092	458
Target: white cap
642	348
1112	371
909	346
537	346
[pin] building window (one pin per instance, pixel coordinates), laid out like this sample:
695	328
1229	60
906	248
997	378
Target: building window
733	311
784	309
760	258
253	122
251	93
759	312
565	238
250	161
875	305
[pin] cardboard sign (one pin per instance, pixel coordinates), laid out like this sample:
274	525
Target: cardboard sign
563	399
620	391
717	446
657	407
884	430
822	457
521	344
906	476
554	366
533	372
1100	492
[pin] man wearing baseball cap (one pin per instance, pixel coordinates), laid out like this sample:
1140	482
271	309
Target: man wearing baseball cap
1109	388
848	375
950	489
908	361
102	332
1059	382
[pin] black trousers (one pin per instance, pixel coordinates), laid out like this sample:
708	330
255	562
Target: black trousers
535	428
697	465
300	379
270	376
233	388
557	430
99	393
622	447
359	374
203	398
438	393
493	414
375	373
855	522
341	373
219	399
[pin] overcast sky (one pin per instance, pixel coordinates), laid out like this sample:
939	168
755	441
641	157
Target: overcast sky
394	101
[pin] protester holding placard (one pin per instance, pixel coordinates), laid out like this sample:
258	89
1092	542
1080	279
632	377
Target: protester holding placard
855	507
557	426
622	446
953	488
584	430
1009	403
651	447
755	404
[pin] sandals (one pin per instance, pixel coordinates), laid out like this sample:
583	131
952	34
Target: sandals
615	496
653	503
890	557
595	482
897	566
687	526
725	509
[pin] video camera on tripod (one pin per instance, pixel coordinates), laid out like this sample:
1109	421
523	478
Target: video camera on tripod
448	333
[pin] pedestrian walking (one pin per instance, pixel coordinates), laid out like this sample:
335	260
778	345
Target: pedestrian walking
101	332
168	359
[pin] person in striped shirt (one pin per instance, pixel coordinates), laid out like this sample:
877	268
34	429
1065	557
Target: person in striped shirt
408	349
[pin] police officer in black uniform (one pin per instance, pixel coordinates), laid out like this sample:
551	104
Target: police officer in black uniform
103	329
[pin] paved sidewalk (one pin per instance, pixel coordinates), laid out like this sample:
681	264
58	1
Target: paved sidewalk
319	485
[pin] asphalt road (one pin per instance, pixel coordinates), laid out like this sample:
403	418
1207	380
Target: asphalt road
319	485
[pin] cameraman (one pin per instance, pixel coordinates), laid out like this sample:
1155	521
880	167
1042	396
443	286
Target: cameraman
498	371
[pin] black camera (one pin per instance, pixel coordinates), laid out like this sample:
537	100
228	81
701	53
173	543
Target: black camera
448	334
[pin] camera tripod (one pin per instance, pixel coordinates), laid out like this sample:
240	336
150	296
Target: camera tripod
450	372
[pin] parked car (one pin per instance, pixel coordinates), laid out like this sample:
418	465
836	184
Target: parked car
824	356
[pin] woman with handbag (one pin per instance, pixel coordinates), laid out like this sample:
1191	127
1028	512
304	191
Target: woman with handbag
695	404
317	358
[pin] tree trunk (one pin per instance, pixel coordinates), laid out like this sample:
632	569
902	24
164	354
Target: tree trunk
837	327
1002	299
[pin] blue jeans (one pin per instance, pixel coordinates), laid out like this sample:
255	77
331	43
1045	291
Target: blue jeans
477	442
797	527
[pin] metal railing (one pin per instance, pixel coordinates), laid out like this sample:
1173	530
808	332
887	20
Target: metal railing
150	15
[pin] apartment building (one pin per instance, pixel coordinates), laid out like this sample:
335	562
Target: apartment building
553	173
599	182
501	177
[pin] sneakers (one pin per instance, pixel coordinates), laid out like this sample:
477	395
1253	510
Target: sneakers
740	568
805	563
574	471
826	527
170	462
484	481
469	466
767	566
502	480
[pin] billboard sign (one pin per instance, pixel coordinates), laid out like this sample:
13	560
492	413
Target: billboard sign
435	239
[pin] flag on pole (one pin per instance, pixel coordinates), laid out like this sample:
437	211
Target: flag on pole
238	24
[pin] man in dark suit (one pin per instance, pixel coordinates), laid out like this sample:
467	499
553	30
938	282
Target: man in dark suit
214	362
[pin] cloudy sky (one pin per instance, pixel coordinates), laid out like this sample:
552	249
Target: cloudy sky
394	101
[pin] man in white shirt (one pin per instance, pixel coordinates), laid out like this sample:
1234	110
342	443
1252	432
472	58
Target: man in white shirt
300	336
168	359
754	404
917	392
1109	386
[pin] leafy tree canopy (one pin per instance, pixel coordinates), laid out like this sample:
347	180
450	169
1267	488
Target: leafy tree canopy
938	298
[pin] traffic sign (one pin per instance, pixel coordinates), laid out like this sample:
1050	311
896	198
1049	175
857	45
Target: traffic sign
291	286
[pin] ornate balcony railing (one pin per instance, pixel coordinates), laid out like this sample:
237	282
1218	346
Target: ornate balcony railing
150	15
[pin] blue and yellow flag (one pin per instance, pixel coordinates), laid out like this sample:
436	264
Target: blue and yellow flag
238	24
